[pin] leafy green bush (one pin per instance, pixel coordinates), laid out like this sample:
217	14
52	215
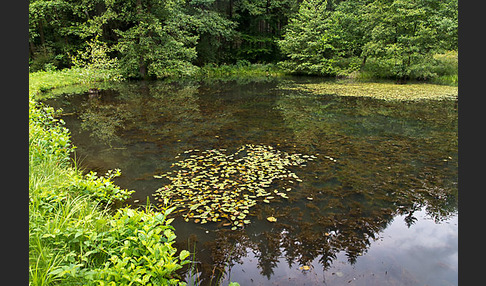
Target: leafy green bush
43	59
140	250
95	64
101	189
135	249
439	68
72	239
47	136
240	69
447	66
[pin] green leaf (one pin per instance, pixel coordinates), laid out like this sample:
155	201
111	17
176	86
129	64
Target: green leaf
184	254
160	218
169	210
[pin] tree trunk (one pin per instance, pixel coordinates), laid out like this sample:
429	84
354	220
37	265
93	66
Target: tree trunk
31	48
231	9
364	61
41	33
142	68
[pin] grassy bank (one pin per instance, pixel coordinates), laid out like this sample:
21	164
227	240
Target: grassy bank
241	69
75	238
441	70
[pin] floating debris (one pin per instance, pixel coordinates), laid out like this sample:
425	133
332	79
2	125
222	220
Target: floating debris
210	186
271	219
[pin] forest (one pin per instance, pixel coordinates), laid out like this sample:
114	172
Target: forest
396	39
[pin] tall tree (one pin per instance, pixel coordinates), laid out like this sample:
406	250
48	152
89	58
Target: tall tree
49	22
215	29
261	24
400	36
155	37
309	42
406	34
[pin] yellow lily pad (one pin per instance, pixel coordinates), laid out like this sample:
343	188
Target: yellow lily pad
271	219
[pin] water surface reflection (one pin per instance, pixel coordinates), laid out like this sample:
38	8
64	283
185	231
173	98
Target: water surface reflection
392	259
358	214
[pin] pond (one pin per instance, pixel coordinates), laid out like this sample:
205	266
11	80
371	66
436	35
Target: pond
277	185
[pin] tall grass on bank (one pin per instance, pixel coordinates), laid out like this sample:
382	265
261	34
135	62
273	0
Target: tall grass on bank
240	69
74	236
439	69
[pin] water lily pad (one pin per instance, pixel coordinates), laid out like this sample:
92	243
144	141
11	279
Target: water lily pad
304	267
209	185
271	219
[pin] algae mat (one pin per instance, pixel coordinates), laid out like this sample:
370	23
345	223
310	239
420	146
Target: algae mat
386	90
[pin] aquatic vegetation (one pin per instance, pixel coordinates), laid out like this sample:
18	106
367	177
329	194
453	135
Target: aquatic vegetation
211	186
271	219
379	161
381	90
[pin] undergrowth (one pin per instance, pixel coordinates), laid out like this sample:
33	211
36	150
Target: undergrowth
240	69
74	237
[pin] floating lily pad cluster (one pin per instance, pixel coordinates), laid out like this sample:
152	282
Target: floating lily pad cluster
210	186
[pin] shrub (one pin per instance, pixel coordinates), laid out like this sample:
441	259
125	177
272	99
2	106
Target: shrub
72	240
447	66
135	249
43	59
95	64
47	136
140	250
101	189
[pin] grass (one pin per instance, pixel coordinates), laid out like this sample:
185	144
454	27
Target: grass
45	80
74	238
42	81
241	69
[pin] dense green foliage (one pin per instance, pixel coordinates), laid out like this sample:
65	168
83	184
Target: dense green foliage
153	38
396	39
73	238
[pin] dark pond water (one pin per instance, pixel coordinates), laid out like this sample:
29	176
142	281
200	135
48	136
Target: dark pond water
378	205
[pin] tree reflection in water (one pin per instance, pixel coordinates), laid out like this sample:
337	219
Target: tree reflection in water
376	160
392	159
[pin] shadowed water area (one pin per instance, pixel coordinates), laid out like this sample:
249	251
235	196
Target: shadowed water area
371	199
